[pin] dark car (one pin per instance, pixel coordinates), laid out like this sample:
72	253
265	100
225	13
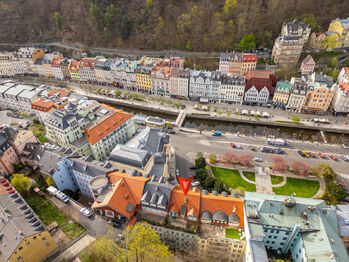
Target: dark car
171	131
279	151
272	151
192	167
311	154
252	148
300	152
115	224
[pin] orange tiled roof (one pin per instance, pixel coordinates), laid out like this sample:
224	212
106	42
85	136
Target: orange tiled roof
249	57
346	69
56	62
74	65
44	104
177	200
125	190
88	62
106	126
227	204
258	74
344	86
62	93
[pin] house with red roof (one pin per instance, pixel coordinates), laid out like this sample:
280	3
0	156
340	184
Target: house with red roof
260	87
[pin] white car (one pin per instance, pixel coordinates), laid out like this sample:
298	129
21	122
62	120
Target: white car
60	195
196	183
257	159
85	212
237	146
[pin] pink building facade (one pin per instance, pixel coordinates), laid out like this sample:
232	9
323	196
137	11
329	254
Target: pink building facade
8	156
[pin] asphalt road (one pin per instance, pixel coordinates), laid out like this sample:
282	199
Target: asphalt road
188	144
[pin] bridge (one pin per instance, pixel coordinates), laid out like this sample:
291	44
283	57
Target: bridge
180	119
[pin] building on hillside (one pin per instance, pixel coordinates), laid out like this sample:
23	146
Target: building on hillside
176	62
288	46
74	70
23	235
297	95
296	29
39	67
106	127
87	70
232	89
17	65
224	61
216	81
199	85
28	57
18	138
282	93
179	83
241	63
103	71
75	173
47	64
341	28
316	40
57	69
308	65
303	229
8	155
319	95
143	74
65	64
343	75
6	68
343	226
123	71
260	86
340	101
287	50
148	151
160	77
206	208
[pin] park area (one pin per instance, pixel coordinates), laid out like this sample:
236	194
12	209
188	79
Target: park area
39	132
48	213
297	187
233	233
232	179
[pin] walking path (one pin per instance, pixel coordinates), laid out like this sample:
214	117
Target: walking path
75	249
263	183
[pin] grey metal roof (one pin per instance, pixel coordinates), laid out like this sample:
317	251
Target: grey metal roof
234	218
220	216
59	119
343	219
17	222
206	215
129	207
130	156
258	251
90	168
233	80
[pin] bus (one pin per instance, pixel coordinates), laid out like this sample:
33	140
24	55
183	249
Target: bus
276	142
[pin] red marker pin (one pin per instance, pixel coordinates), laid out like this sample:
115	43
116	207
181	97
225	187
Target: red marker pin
185	184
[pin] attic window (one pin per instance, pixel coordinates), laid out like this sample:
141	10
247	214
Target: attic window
126	196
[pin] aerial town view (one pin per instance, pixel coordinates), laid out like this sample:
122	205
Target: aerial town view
174	131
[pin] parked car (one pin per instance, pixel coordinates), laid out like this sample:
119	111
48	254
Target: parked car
342	185
86	212
333	157
311	154
62	197
232	145
321	155
115	224
171	131
344	158
252	148
257	159
306	153
216	133
196	183
238	146
279	151
300	152
192	168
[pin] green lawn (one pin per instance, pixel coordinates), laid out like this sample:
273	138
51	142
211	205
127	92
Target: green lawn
276	179
232	179
249	175
301	187
287	122
48	213
232	233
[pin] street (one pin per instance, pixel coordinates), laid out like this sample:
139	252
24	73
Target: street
188	144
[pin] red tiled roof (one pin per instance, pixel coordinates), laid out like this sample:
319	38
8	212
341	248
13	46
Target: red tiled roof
249	58
74	65
346	69
344	86
56	62
260	79
106	126
88	62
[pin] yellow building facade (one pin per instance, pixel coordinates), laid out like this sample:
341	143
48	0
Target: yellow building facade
6	68
282	94
341	28
143	79
74	70
34	248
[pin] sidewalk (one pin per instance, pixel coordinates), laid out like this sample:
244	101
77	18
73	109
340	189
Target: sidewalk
75	249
